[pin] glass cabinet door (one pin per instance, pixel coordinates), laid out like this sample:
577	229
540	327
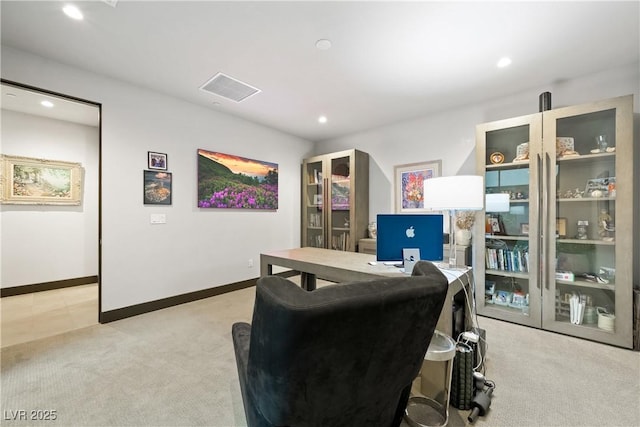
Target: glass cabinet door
587	155
340	204
335	200
507	255
313	230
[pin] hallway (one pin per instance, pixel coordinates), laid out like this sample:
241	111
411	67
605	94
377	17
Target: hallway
29	317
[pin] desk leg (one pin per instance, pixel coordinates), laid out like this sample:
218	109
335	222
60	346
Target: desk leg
266	269
308	281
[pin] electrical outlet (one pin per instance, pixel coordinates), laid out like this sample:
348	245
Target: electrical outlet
250	263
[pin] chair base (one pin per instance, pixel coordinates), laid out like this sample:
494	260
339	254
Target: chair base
425	412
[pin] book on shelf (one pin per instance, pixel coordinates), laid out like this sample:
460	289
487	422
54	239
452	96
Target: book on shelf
507	260
315	220
341	242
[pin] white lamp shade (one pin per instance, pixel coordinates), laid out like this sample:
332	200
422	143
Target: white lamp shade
459	192
497	202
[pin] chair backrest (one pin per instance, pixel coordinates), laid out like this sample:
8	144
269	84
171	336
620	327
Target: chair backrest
343	354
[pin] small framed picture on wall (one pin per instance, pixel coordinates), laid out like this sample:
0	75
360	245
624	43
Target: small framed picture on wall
157	188
157	161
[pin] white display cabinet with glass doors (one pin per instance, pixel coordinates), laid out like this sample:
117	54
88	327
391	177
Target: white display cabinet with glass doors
335	200
560	256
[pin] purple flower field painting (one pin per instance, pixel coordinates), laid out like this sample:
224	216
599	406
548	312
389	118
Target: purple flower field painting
226	181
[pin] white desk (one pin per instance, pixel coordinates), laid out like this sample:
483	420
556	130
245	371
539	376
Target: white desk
339	266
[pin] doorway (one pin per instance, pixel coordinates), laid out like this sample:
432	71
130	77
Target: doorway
49	246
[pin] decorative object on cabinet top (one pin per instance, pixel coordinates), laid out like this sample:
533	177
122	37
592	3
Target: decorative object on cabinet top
522	152
600	187
372	230
496	158
607	150
565	147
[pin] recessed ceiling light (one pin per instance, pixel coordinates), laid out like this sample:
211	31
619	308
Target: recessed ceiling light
504	62
323	44
47	104
73	12
322	119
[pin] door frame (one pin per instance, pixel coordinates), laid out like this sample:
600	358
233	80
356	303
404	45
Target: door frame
99	106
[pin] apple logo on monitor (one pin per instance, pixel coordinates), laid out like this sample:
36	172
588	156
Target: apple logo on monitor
410	232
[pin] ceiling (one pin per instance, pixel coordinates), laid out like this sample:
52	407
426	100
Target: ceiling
16	98
389	61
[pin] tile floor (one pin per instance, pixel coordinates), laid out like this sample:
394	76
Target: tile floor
29	317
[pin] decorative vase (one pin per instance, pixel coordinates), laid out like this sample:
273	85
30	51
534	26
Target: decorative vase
373	230
463	237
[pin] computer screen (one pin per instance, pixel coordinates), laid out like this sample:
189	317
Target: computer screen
399	231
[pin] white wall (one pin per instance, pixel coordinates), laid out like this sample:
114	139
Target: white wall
196	249
48	243
450	135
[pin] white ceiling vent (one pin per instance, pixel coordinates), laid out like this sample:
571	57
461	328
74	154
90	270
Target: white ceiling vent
228	87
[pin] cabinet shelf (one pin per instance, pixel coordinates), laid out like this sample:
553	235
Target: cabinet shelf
504	273
507	308
586	199
511	165
593	326
505	237
586	242
586	158
341	181
585	284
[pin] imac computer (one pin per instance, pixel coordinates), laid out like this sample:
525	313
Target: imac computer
409	231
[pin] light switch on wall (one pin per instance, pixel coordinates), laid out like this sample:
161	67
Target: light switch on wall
158	219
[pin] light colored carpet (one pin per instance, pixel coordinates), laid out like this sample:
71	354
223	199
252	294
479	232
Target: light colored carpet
176	367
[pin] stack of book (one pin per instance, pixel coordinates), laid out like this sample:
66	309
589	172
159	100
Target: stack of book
507	260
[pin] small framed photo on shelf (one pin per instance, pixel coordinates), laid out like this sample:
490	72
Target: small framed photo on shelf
317	199
561	227
496	226
156	161
524	228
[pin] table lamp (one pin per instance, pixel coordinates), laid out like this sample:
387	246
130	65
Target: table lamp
452	194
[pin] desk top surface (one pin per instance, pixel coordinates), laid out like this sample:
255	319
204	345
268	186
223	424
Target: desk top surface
335	263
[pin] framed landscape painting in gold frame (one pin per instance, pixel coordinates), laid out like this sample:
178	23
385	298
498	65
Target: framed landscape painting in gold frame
32	181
